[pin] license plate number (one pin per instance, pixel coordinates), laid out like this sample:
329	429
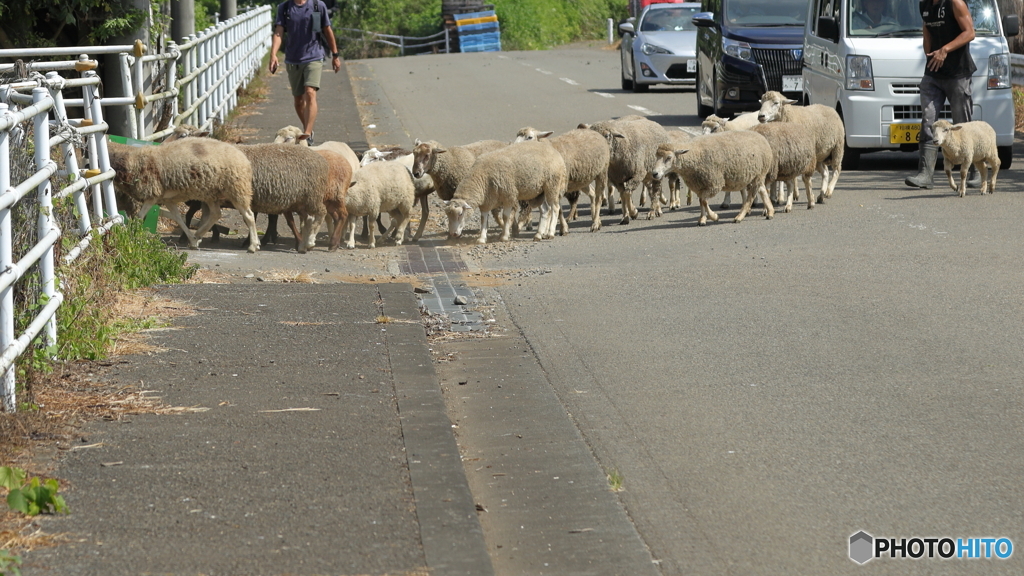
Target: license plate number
904	133
691	65
792	83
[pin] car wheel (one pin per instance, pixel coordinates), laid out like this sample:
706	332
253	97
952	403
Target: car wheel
1005	156
638	87
702	110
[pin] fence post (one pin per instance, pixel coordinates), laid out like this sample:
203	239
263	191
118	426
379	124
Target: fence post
101	159
47	278
60	115
6	259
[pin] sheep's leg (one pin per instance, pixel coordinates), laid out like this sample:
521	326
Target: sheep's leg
704	210
270	236
525	219
300	245
424	216
963	178
401	219
983	170
315	222
250	222
769	208
657	198
372	240
993	172
595	207
193	239
837	167
748	201
349	227
209	220
574	198
546	228
823	168
949	176
338	215
726	203
807	191
562	222
506	223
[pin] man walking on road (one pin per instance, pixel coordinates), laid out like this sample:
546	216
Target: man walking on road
308	26
948	31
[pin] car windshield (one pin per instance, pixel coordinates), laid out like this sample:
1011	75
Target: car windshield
766	12
672	19
891	18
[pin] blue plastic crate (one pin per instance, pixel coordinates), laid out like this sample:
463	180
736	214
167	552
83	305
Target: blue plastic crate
488	42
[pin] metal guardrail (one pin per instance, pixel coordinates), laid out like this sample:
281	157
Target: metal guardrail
1017	69
87	136
401	42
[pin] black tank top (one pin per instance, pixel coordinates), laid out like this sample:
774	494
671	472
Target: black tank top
943	28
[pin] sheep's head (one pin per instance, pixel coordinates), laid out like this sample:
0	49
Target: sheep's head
941	130
456	210
664	161
371	155
772	103
291	135
527	134
712	124
424	155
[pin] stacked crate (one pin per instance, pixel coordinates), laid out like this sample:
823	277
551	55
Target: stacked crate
473	26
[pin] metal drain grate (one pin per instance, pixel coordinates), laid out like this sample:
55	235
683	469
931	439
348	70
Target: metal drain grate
441	266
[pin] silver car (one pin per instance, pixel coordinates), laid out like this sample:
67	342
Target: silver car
660	47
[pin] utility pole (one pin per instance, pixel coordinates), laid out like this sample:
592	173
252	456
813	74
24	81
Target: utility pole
183	20
228	9
116	81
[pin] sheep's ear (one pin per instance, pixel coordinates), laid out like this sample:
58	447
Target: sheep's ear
417	142
446	203
544	134
956	127
788	101
202	134
302	137
617	135
440	150
583	126
681	152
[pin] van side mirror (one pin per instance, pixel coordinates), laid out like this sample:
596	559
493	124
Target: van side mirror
828	29
704	20
1011	25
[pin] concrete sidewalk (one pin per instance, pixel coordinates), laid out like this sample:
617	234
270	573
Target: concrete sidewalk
315	439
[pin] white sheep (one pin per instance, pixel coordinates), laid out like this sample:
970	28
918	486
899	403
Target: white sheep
502	179
965	144
380	187
448	165
794	153
823	122
201	169
740	160
586	155
714	123
424	184
634	142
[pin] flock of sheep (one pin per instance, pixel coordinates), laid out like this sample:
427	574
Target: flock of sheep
631	156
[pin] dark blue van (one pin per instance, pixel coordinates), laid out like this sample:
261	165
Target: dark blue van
744	49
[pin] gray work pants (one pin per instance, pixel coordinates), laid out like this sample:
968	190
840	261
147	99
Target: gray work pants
934	93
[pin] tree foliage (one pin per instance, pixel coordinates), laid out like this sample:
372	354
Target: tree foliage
25	24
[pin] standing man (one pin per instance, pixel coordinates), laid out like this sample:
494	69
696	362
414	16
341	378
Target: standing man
308	25
948	31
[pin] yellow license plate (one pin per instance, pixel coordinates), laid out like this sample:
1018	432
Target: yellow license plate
904	133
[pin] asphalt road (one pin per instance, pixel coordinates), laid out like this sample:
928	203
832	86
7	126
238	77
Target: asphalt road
770	388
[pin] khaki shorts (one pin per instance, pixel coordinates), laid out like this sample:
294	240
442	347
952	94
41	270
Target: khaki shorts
302	75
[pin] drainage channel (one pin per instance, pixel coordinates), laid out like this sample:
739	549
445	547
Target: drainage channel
440	267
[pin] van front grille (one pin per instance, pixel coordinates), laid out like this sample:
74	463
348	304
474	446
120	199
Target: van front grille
905	89
914	113
776	64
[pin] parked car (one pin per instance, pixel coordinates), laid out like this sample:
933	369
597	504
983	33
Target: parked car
660	47
744	49
870	73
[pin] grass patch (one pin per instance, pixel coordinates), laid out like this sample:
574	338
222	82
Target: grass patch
615	481
1018	108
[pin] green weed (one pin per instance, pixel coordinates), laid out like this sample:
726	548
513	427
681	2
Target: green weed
9	564
31	496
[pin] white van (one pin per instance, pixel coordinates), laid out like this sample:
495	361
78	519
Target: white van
871	76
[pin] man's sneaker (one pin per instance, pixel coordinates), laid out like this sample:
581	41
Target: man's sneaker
310	139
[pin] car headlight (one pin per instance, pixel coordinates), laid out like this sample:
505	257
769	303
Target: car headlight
653	49
998	71
736	49
859	75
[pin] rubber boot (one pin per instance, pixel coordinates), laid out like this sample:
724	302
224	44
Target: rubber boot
926	168
973	178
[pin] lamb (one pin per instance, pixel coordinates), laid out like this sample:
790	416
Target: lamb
793	149
965	144
503	178
380	187
823	122
190	169
714	123
288	179
633	142
586	155
740	160
424	184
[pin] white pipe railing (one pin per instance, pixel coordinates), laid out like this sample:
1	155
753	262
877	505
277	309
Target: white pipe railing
1017	69
214	64
403	43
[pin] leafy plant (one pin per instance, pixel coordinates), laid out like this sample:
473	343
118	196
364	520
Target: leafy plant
9	564
31	497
